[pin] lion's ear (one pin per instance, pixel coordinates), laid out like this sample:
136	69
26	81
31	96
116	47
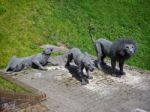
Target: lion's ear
122	53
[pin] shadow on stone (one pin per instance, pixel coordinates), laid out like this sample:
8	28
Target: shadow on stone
74	71
107	70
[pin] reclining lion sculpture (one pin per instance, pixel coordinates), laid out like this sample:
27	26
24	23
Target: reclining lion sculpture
37	61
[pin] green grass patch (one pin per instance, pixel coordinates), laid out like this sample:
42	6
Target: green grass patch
9	86
57	54
27	24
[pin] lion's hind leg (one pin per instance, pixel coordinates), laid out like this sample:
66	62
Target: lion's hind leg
100	56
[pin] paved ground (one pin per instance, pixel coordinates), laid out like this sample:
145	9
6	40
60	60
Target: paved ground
104	93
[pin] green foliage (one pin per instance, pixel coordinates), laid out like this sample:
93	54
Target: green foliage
57	54
2	9
6	85
27	24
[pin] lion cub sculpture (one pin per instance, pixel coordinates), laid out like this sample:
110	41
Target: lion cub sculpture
37	61
82	60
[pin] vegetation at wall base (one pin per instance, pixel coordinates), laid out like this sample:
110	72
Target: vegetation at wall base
9	86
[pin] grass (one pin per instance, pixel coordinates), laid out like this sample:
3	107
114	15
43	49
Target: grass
27	24
9	86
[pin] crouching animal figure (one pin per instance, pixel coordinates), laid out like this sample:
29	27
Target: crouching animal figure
37	61
82	60
118	51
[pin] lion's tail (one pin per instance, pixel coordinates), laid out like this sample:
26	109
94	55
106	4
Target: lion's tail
91	30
